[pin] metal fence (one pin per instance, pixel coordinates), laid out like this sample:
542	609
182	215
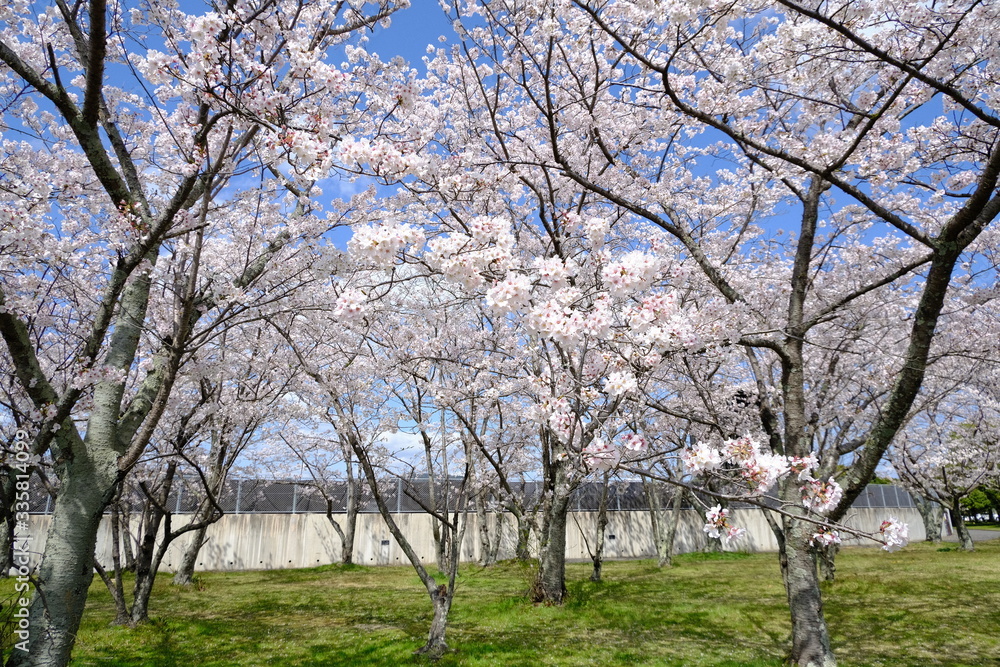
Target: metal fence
257	496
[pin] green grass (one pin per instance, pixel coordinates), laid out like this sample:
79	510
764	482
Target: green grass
983	526
919	606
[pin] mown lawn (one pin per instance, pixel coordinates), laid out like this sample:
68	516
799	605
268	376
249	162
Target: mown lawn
924	605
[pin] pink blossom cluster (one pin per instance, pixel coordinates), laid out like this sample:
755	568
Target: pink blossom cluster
90	376
510	294
552	319
350	305
701	457
601	455
385	158
821	496
758	469
718	526
634	442
633	272
803	466
895	533
405	95
380	244
463	258
621	383
825	537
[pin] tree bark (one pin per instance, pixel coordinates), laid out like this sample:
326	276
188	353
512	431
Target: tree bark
436	645
550	582
827	556
602	524
185	573
932	514
958	521
487	554
810	638
664	527
67	566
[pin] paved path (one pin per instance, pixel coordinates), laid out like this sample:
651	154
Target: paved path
977	535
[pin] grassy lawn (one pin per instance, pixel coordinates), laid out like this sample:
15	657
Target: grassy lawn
983	526
924	605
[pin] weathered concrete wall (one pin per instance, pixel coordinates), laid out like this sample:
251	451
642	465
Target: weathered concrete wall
273	541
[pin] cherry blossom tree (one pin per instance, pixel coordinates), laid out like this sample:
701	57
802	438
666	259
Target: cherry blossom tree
950	448
137	217
872	125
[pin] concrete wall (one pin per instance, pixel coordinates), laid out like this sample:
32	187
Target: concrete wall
274	541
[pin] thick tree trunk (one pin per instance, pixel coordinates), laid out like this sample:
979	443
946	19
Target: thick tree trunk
550	582
523	549
810	638
7	523
932	514
67	566
961	530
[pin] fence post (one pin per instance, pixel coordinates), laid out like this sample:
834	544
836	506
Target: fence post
239	493
177	505
399	495
295	496
48	503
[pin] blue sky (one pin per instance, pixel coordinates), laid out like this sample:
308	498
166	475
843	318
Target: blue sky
411	31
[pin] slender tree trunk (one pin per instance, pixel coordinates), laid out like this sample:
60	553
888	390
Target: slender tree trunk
185	573
350	523
523	549
602	524
436	645
487	555
932	514
118	591
498	524
958	521
664	527
665	549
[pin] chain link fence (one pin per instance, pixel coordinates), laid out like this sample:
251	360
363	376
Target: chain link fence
258	496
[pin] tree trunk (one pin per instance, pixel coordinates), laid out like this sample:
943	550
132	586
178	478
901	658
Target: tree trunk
487	555
67	566
665	549
498	524
550	582
810	638
664	528
828	560
436	645
523	549
185	573
7	523
932	514
958	521
602	524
